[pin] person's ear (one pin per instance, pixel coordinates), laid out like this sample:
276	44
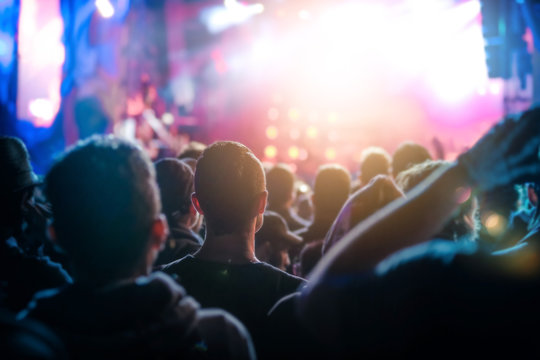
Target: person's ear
159	232
263	198
196	204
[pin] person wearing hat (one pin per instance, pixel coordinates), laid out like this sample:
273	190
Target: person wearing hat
21	274
273	240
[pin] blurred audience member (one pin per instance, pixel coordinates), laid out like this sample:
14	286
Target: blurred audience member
175	181
331	190
22	272
408	154
378	193
273	240
374	161
193	150
280	183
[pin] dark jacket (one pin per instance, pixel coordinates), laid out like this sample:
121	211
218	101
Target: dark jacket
150	317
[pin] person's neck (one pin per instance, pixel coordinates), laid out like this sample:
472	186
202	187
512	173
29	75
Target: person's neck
233	248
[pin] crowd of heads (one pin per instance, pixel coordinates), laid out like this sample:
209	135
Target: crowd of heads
111	210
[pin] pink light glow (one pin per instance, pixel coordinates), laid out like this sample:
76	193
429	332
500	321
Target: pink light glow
41	55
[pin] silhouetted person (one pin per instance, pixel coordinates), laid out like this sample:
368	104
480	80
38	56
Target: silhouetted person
380	191
230	190
175	181
106	211
21	273
408	154
331	190
273	241
374	161
280	184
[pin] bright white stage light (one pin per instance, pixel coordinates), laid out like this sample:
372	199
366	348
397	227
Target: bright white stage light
42	109
105	8
219	18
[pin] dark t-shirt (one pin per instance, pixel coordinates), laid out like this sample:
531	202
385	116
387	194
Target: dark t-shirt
248	291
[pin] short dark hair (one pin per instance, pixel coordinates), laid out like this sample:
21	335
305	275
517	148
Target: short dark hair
175	181
280	184
332	188
375	161
408	154
104	200
228	180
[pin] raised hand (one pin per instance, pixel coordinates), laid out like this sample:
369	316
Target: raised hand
507	154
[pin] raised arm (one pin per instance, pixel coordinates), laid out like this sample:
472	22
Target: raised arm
508	153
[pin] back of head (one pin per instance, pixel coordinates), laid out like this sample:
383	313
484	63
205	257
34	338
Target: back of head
414	175
280	184
175	181
104	201
193	150
228	181
408	154
331	190
375	161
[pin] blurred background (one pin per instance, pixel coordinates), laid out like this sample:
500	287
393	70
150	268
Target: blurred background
299	81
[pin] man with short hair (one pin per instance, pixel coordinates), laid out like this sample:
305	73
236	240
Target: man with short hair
106	211
230	191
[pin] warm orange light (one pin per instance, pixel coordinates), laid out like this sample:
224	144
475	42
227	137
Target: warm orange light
312	132
294	114
495	224
294	152
271	132
330	153
270	151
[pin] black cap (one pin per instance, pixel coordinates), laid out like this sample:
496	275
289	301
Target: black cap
15	167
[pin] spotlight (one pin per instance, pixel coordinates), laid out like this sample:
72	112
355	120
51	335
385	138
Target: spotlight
312	132
271	132
294	114
294	152
105	8
270	151
330	153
